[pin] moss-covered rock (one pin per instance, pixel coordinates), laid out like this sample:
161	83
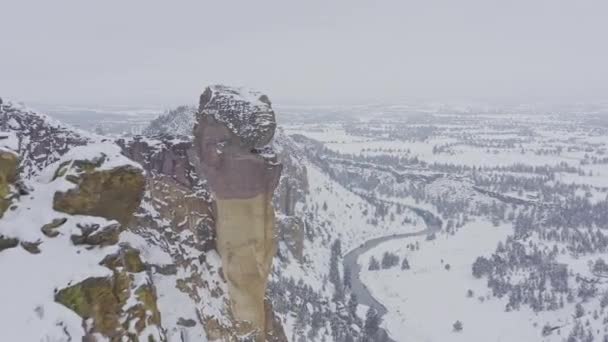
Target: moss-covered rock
93	235
31	247
7	242
49	229
146	312
96	299
79	166
127	258
9	163
118	307
114	194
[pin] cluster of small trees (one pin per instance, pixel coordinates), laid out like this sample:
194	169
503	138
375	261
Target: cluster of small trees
389	260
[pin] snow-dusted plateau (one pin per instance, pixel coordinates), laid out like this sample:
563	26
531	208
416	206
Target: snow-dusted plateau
234	219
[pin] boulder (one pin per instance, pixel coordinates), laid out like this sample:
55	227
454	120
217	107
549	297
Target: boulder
50	229
94	235
8	242
114	194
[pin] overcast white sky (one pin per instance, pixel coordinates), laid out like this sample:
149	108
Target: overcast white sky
303	52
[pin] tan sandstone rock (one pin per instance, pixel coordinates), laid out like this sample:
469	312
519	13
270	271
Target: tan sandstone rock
246	242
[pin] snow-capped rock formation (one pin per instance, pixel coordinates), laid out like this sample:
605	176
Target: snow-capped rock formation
78	282
103	189
142	237
37	139
246	113
242	178
167	153
122	232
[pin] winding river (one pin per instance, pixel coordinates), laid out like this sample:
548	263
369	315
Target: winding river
364	296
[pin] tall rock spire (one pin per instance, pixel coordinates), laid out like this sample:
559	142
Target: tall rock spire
231	141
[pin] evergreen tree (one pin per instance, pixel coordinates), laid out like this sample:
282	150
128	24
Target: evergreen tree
372	322
579	311
352	304
389	260
405	265
334	272
457	326
374	265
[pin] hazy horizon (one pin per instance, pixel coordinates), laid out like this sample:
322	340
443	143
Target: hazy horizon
313	53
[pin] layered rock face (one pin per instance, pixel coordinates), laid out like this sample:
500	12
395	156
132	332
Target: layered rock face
230	145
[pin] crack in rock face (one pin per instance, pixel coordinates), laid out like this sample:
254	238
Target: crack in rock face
231	151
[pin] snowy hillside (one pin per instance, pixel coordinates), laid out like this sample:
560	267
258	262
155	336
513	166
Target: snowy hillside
387	230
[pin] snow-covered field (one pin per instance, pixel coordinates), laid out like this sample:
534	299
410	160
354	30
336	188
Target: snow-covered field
424	302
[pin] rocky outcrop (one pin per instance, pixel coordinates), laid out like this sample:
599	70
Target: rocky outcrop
8	175
9	163
122	306
37	139
119	307
231	152
163	155
7	242
113	193
174	189
177	216
165	150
